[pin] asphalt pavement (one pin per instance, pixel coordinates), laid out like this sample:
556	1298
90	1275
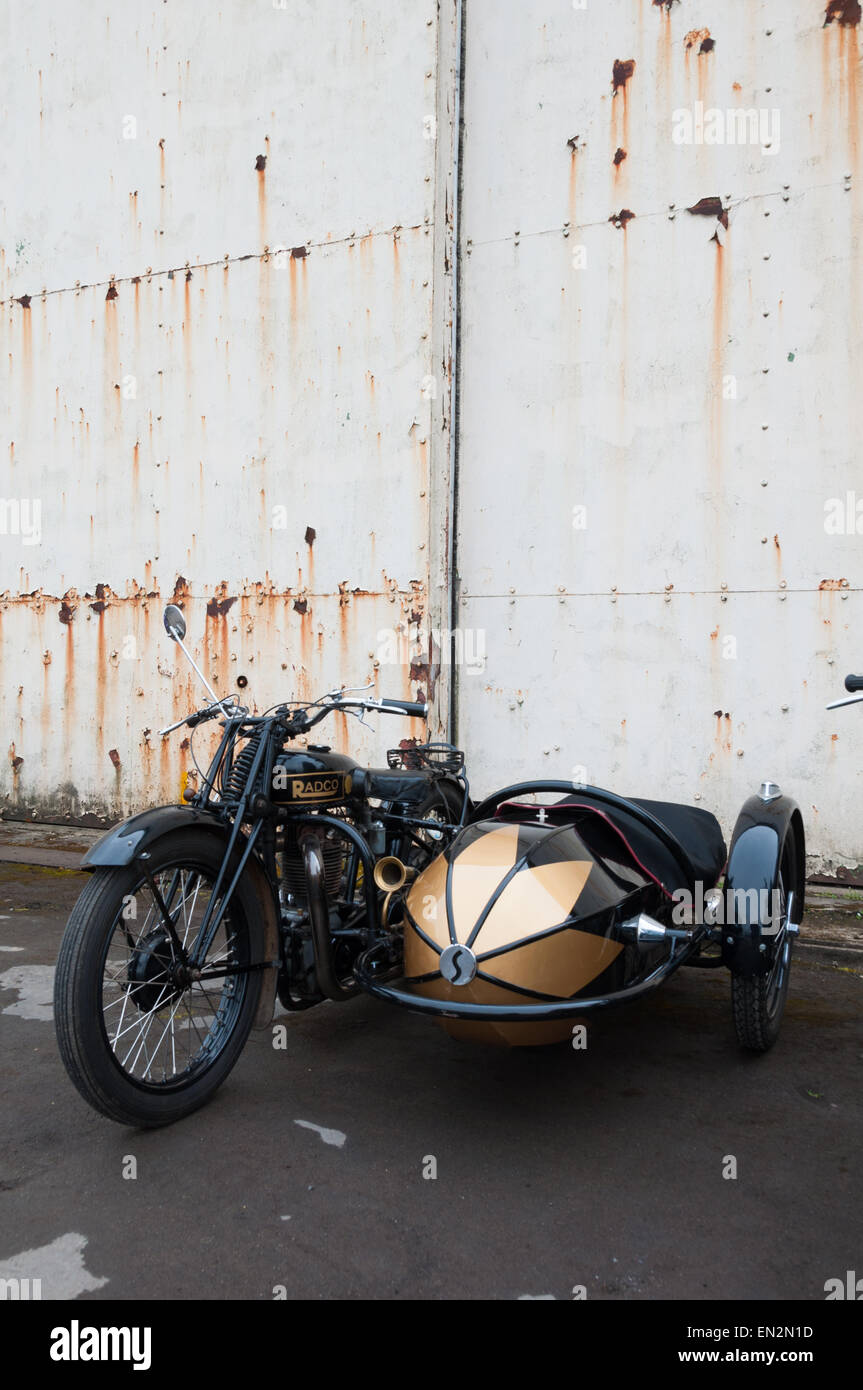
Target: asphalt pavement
375	1157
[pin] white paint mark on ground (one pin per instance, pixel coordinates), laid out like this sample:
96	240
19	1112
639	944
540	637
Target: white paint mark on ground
60	1266
329	1136
34	985
284	1218
11	948
536	1297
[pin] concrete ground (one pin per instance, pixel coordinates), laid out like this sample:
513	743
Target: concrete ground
555	1168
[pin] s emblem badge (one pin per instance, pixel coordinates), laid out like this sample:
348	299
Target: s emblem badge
458	964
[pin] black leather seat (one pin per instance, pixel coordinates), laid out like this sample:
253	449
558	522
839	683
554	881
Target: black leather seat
394	784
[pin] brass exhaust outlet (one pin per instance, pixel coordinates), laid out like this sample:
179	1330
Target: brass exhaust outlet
391	874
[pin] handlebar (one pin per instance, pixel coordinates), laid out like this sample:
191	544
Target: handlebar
302	721
854	683
415	709
197	717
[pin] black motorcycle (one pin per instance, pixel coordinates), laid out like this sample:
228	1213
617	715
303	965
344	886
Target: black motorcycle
276	874
294	870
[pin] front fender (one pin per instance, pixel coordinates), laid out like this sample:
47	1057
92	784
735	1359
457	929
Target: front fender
750	878
134	838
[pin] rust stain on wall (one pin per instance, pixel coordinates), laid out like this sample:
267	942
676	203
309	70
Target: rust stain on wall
261	170
698	38
573	179
620	219
220	607
846	13
621	72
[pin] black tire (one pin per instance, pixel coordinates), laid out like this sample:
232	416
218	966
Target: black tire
443	803
758	1001
91	971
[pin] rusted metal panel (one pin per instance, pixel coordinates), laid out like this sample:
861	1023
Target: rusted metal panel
216	338
661	344
139	131
85	746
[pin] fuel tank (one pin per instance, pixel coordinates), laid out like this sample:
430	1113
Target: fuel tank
514	912
312	777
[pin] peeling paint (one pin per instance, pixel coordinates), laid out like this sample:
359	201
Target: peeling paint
710	207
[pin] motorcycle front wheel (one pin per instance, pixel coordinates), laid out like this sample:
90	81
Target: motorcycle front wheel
144	1041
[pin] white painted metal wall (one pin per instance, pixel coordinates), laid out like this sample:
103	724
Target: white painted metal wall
656	411
218	322
226	274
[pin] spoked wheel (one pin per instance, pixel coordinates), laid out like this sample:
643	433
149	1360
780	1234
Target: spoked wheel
146	1035
758	1001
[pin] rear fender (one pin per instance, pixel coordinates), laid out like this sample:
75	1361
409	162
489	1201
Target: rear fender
133	840
749	932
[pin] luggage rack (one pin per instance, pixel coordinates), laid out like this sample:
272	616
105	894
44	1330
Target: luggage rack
437	757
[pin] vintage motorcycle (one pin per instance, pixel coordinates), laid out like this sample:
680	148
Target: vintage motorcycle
293	871
270	878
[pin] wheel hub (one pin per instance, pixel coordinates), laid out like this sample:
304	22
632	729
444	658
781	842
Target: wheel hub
153	973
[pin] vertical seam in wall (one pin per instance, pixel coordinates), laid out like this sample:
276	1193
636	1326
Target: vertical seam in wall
455	415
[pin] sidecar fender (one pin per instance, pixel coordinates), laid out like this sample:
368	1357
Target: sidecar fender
135	837
753	865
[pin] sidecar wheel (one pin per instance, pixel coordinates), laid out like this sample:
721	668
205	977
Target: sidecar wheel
144	1044
758	1001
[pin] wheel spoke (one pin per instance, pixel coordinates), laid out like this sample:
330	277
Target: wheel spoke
147	997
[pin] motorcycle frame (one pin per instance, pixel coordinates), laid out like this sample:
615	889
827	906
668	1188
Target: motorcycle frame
254	850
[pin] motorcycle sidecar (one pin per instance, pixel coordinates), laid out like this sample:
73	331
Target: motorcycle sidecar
535	916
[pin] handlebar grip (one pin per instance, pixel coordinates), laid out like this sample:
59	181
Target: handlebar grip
854	683
412	707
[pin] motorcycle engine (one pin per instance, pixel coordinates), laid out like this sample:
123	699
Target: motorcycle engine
293	872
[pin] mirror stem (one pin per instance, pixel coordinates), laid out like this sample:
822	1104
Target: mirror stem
217	700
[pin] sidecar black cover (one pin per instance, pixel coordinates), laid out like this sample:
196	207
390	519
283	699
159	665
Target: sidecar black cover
697	832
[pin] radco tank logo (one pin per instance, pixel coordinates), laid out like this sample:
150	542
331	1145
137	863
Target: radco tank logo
325	786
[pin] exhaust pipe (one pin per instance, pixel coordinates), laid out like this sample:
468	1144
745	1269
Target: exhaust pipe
319	917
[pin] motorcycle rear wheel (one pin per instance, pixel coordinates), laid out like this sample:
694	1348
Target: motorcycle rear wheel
143	1045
